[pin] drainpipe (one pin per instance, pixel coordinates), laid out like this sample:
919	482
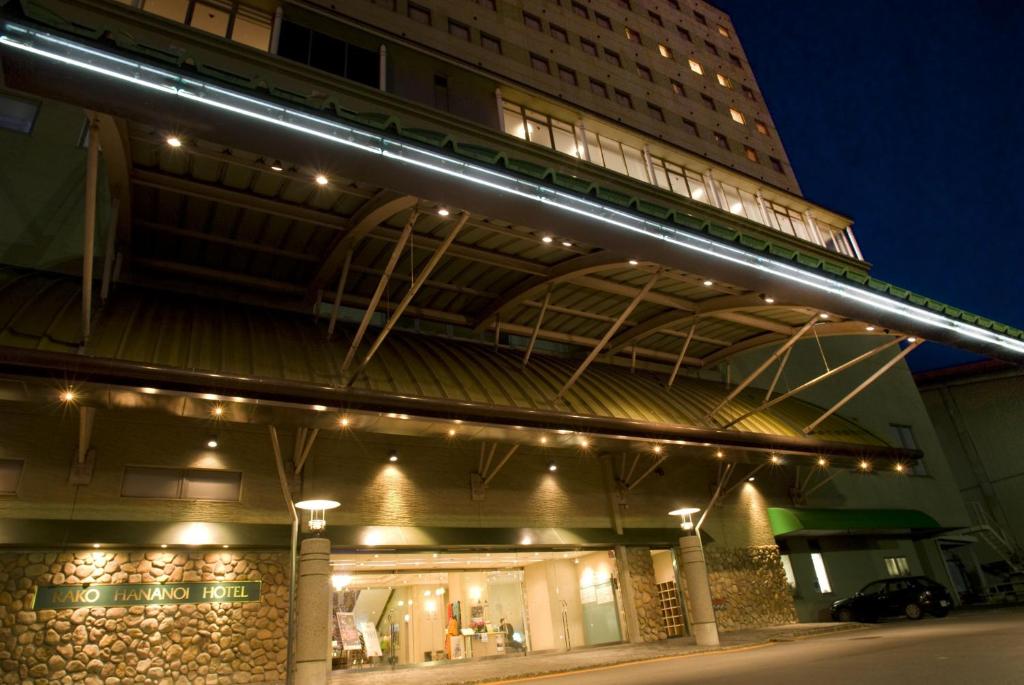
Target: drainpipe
91	175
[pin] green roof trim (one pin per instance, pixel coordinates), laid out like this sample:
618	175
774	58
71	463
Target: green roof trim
572	183
423	135
797	521
609	195
753	243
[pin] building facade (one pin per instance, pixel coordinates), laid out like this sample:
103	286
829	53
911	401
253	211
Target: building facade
509	281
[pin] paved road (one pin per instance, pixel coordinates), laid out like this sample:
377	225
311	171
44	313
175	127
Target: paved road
977	648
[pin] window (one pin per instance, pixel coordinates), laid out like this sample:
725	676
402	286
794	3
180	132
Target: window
776	164
679	180
644	72
490	42
787	566
17	114
656	111
724	81
245	25
824	586
904	437
750	152
321	51
696	68
588	47
540	129
558	33
155	482
721	140
539	63
701	19
684	34
674	4
897	566
252	27
623	98
735	60
632	36
737	116
655	17
665	51
458	30
567	75
418	13
624	4
711	47
580	10
708	101
613	57
761	127
724	32
532	22
489	4
678	89
441	92
598	88
10	471
691	126
749	93
602	21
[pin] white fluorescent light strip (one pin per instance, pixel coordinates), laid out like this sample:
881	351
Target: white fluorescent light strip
135	73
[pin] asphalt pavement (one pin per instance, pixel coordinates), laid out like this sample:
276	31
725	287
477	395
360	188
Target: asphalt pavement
982	647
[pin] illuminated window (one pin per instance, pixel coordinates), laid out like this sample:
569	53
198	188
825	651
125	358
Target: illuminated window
696	68
724	31
644	72
737	116
824	586
761	127
665	51
897	566
787	566
678	89
750	152
458	30
724	81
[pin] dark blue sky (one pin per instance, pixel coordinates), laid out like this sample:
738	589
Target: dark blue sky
907	115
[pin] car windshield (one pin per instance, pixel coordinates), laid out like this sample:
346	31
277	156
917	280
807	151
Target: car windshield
872	588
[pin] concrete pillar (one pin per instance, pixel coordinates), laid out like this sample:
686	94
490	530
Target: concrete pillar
632	627
312	596
702	618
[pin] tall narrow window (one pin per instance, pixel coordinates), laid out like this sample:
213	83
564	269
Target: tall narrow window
532	22
10	475
708	101
656	111
737	116
655	17
776	164
632	36
558	33
613	57
644	72
711	47
623	98
724	81
750	152
678	89
761	127
580	10
588	47
696	68
684	34
724	32
602	21
701	19
567	75
722	141
441	92
665	51
824	586
598	88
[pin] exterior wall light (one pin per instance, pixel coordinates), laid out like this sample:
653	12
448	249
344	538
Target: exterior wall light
686	516
317	509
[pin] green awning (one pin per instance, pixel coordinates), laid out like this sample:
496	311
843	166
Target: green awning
818	522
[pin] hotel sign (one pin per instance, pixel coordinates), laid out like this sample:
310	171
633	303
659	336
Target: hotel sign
132	594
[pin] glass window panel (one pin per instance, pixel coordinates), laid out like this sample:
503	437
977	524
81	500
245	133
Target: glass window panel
146	481
750	207
733	202
824	586
175	10
565	138
252	28
698	191
594	149
635	164
660	175
10	474
802	229
677	177
514	123
787	566
17	114
223	486
211	18
612	153
538	131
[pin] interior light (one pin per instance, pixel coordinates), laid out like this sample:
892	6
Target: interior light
543	439
174	141
864	465
451	432
719	454
442	211
912	339
393	456
148	391
708	283
95	545
657	449
340	581
899	468
822	461
769	299
321	180
319	407
225	546
552	466
217	411
584	443
163	546
546	239
776	460
750	480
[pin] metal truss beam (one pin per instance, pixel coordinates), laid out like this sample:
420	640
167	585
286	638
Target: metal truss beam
488	476
537	324
723	478
304	439
682	354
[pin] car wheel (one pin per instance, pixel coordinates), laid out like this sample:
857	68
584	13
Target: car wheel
914	611
844	616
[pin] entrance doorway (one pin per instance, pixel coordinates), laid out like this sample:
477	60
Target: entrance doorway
404	609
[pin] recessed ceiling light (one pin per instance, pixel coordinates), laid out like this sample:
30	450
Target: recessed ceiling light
546	239
911	339
212	443
823	315
217	411
68	396
769	300
443	211
750	480
393	457
174	141
276	165
633	262
870	328
321	180
319	407
708	283
822	461
552	466
343	422
566	243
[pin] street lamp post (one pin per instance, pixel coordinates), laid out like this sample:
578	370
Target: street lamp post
705	628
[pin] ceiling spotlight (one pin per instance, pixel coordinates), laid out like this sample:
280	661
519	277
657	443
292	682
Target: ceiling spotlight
584	443
224	546
443	211
633	262
68	395
750	480
870	328
393	456
566	243
776	460
864	465
277	166
321	180
552	466
912	339
823	315
343	422
899	468
163	546
708	283
217	411
174	141
769	299
451	432
546	239
212	442
657	449
543	439
95	545
719	454
822	461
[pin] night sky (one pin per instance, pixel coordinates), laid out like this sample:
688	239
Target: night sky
908	116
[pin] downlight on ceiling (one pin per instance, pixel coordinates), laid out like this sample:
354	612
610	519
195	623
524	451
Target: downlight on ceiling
207	94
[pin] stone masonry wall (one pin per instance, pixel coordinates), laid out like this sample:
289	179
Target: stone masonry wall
645	594
211	644
748	587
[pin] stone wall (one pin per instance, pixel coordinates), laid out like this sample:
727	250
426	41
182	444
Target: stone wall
189	643
748	587
645	594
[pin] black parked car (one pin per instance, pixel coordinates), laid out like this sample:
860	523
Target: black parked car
911	597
